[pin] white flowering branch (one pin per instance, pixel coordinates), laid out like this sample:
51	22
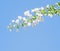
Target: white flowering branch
33	20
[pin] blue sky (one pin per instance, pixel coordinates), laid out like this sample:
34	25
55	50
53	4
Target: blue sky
44	37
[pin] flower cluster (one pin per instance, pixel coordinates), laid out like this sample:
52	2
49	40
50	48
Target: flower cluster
33	20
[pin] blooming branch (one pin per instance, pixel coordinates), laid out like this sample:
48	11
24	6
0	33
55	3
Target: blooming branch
35	16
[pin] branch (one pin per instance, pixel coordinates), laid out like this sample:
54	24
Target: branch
35	17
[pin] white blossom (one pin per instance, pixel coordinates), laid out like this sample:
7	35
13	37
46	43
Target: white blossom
42	8
32	19
14	25
34	23
27	13
39	14
35	9
19	17
17	21
50	15
13	21
56	3
24	18
38	21
29	24
47	6
10	26
10	30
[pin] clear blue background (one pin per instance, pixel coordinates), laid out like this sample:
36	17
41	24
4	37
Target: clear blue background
44	37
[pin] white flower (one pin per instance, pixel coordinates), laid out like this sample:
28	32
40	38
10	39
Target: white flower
29	24
56	3
27	13
38	21
47	6
35	9
13	21
39	14
34	23
50	15
9	27
42	8
14	25
24	18
10	30
17	21
19	17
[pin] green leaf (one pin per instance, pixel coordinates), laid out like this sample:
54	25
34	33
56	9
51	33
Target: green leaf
34	17
58	3
53	12
52	7
23	24
30	20
43	11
